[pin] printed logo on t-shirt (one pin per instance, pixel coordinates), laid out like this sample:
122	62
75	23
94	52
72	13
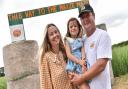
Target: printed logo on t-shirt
92	45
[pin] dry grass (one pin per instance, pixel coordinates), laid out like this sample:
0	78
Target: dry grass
121	82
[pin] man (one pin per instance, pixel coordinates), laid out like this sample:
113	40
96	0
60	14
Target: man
98	52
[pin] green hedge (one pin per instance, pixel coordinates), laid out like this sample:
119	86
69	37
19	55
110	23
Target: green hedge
3	83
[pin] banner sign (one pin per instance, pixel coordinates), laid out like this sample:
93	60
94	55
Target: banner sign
17	18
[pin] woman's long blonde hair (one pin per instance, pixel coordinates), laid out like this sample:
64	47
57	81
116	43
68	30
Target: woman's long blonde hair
46	46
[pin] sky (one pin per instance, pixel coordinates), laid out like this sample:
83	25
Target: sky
114	13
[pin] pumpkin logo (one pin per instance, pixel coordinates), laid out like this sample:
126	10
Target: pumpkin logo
16	32
92	45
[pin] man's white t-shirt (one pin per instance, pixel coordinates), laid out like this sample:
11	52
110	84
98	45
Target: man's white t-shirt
97	46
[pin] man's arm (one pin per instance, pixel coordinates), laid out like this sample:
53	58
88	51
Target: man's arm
96	69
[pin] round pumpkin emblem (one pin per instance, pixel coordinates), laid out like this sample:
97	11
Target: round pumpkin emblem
16	32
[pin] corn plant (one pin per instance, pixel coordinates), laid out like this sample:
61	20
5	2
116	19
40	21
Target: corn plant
120	60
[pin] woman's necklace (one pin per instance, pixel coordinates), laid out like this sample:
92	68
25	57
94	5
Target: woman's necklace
57	58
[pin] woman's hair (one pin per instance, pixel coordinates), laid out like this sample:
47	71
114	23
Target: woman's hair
46	46
79	26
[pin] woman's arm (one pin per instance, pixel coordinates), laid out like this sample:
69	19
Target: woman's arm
45	79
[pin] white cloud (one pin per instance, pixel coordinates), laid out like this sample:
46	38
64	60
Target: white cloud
120	33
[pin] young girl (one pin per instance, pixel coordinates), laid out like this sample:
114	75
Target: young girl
75	50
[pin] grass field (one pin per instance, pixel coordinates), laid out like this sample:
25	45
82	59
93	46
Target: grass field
3	84
120	60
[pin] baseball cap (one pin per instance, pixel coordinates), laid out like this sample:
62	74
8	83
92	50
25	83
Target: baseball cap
85	8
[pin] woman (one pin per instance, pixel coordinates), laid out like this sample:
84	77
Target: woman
52	64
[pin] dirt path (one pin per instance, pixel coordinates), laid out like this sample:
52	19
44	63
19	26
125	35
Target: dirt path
121	82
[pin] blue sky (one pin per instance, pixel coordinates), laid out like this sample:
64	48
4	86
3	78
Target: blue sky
114	13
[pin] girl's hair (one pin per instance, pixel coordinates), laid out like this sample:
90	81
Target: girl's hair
46	46
79	26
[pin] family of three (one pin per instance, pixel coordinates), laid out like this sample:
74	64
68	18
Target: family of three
77	62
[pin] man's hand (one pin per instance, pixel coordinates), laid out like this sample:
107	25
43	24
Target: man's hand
77	79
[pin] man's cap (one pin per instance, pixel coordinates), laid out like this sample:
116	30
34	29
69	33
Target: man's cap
85	8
